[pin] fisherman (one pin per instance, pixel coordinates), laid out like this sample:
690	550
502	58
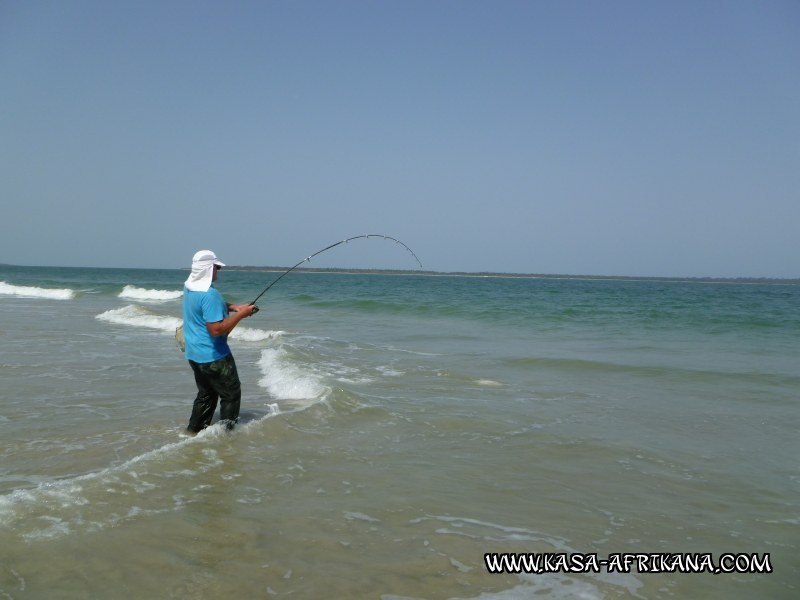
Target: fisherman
207	321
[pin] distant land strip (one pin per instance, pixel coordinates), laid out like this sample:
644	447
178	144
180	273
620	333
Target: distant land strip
750	280
265	269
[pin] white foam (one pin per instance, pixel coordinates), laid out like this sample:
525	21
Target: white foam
359	516
388	371
65	496
488	382
131	292
35	292
285	380
136	316
53	509
246	334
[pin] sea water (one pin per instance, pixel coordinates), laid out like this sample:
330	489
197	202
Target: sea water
395	430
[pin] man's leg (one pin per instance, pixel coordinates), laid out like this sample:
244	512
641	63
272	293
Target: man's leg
206	401
223	378
227	384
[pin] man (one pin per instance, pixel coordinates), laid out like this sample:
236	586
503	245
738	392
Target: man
207	321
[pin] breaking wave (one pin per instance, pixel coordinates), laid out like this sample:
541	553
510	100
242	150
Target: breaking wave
131	292
25	291
136	316
133	315
287	379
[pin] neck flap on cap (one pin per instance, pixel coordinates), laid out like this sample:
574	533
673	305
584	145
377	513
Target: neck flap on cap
202	274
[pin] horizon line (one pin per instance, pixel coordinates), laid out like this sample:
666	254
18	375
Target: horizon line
499	274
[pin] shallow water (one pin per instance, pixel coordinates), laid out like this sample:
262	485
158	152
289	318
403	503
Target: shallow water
394	430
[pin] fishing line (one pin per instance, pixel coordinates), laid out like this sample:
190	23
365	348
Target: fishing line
308	258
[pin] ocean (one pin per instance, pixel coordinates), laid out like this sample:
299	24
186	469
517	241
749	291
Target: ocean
398	434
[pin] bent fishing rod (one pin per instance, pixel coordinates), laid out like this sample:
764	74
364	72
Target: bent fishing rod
308	258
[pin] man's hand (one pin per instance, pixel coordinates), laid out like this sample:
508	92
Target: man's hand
247	310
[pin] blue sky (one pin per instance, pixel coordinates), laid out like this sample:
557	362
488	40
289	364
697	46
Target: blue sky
578	137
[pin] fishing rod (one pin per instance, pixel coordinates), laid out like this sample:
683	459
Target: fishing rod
308	258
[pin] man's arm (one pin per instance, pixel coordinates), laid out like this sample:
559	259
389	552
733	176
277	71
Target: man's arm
239	312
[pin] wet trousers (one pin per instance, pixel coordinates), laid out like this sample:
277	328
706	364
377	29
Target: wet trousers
216	380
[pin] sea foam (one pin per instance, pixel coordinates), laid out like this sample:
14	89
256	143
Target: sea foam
246	334
287	380
131	292
35	292
133	315
136	316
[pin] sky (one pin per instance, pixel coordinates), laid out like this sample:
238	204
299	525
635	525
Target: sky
632	138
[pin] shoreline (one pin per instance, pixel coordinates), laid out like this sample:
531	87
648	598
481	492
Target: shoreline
491	274
476	274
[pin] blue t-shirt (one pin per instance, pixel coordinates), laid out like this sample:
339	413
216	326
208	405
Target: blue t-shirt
200	308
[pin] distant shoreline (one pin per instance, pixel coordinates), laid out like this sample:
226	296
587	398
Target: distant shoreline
490	274
478	274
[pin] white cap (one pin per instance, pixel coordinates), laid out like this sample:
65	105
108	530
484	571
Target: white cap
203	270
206	258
